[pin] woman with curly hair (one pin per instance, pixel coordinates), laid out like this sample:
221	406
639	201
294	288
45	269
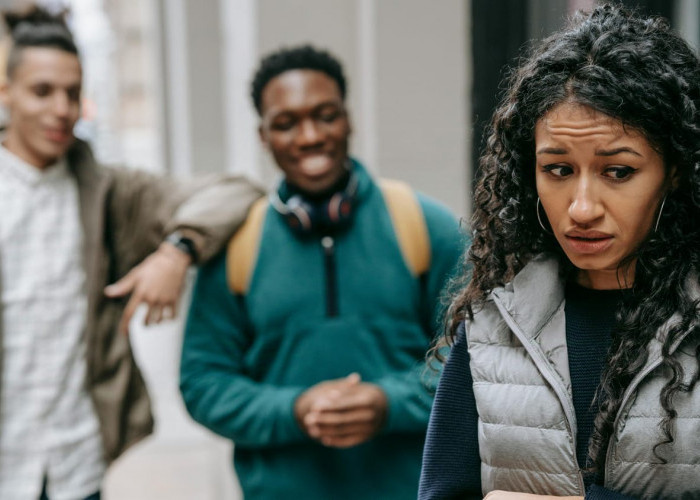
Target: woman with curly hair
576	343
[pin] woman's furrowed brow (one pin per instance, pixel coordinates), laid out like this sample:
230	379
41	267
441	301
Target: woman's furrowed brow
552	151
616	151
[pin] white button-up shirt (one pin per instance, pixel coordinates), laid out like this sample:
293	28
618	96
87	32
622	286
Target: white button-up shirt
48	426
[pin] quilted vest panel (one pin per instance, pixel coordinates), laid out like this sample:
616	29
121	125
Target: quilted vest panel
519	364
631	466
525	439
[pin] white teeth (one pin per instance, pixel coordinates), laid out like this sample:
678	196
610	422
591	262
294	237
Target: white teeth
314	164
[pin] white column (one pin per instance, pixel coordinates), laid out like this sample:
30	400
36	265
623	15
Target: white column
239	58
178	102
366	84
687	20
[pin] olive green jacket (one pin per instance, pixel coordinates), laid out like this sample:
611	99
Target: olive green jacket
125	215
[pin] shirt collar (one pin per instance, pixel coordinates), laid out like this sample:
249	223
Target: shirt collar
11	164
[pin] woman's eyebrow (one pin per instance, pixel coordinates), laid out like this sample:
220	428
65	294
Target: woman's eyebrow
613	152
552	151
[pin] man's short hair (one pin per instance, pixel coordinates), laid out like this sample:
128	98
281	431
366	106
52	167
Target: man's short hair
36	27
287	59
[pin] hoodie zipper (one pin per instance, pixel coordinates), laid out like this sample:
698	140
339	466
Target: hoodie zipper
328	244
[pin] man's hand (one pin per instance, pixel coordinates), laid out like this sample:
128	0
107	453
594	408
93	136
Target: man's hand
512	495
321	391
342	413
157	282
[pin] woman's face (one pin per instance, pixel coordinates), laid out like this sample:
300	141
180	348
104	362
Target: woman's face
600	186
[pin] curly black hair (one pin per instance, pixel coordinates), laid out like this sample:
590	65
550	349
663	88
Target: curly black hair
287	59
36	27
639	72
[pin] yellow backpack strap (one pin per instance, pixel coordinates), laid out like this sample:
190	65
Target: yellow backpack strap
409	224
242	250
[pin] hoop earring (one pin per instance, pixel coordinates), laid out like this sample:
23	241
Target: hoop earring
539	219
658	217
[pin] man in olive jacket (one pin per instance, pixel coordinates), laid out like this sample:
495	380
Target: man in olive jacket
71	397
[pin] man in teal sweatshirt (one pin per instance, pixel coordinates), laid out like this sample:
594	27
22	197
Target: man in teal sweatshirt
305	341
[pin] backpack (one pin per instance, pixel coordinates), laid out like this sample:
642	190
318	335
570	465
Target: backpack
406	217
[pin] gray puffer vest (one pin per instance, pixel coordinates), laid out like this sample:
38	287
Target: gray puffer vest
527	423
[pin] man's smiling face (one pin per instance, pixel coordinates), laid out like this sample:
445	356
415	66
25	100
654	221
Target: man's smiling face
306	128
42	97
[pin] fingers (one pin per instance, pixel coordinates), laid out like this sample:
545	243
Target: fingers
317	408
171	310
156	312
128	314
360	396
344	436
153	315
338	432
122	287
347	441
347	435
343	429
334	420
156	282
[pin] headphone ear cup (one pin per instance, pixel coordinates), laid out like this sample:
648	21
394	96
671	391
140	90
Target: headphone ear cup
339	208
300	216
304	217
333	208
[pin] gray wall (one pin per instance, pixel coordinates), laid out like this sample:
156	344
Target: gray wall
406	62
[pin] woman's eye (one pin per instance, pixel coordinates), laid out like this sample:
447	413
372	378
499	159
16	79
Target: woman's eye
559	170
619	173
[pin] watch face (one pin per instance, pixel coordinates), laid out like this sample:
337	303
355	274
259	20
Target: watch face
182	243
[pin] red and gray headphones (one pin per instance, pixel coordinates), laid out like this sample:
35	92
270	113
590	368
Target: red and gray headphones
306	216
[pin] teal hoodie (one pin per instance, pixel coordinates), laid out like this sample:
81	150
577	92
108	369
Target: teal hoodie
246	359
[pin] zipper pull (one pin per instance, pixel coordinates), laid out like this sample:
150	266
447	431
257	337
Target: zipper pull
327	244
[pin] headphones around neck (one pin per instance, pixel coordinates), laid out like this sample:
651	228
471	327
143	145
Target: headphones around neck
305	216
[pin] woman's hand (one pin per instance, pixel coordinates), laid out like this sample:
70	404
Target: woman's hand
513	495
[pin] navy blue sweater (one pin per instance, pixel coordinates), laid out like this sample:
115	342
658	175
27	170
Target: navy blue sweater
451	463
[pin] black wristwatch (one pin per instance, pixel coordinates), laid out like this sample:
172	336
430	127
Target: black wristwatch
183	243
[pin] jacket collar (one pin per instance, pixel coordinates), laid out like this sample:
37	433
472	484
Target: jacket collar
93	183
534	295
537	291
83	166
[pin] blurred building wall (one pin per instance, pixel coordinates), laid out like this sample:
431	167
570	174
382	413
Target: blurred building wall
407	64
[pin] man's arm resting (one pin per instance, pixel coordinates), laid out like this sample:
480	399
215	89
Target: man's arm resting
196	219
212	213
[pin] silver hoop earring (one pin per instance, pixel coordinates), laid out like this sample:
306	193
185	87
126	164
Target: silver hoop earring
539	219
658	217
